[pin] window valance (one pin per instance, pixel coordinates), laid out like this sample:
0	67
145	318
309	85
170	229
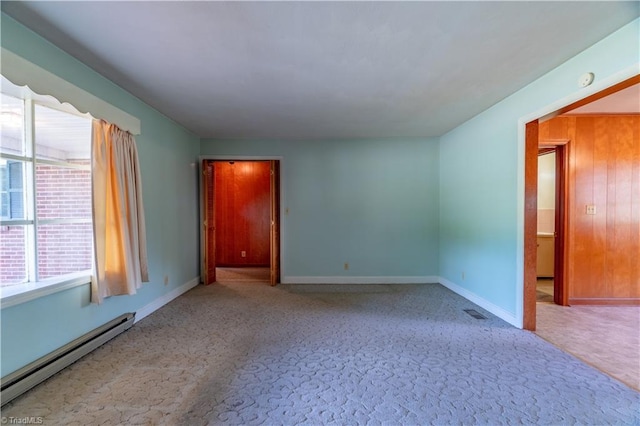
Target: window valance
36	82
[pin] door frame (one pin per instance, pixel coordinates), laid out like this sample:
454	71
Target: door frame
560	256
528	182
280	200
561	242
207	275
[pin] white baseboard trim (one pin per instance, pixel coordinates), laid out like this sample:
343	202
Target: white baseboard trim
166	298
483	303
361	280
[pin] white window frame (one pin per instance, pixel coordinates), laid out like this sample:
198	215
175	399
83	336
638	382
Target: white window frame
27	80
35	287
7	172
23	79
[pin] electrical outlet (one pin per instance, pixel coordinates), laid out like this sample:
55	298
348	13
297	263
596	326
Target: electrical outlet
591	209
166	280
463	275
243	253
346	266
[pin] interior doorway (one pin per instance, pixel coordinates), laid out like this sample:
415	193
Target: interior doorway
546	236
552	221
597	321
532	145
240	223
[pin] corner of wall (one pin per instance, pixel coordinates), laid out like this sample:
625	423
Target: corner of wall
483	303
166	298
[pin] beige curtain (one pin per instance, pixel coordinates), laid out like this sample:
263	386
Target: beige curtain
118	215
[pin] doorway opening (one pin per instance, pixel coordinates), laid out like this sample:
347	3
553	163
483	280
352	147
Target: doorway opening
240	204
532	143
551	220
546	236
600	148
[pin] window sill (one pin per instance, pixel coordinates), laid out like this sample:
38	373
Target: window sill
21	293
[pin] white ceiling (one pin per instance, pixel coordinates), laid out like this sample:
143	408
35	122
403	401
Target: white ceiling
322	70
626	101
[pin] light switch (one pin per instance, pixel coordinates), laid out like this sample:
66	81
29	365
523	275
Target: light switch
591	209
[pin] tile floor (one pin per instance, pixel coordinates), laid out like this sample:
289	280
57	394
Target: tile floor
606	337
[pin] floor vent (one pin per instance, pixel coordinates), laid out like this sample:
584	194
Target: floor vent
41	369
475	314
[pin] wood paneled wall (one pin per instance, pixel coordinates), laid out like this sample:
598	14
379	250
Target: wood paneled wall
604	170
242	206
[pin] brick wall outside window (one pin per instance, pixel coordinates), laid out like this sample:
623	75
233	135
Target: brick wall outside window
12	255
62	193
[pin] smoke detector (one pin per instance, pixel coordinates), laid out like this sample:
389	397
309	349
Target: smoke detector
586	79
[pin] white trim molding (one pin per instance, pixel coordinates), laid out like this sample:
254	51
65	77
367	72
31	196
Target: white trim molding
37	83
166	298
20	293
483	303
360	280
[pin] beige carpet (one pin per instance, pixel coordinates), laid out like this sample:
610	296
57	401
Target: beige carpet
243	274
252	354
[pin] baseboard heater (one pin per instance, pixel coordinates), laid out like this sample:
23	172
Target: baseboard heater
17	383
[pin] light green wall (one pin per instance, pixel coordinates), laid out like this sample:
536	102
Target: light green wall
169	183
482	172
373	204
389	208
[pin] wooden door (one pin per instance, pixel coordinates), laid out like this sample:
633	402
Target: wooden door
242	213
208	221
560	291
275	223
601	245
530	225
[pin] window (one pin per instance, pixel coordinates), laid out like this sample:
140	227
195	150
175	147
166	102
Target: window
11	190
45	220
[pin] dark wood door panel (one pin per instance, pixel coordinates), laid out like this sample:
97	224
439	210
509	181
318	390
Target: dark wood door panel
242	213
604	171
